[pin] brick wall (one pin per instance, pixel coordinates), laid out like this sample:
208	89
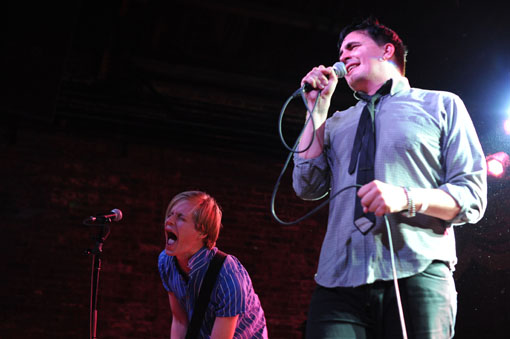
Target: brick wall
52	178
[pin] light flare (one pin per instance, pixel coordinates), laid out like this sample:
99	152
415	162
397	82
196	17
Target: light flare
497	164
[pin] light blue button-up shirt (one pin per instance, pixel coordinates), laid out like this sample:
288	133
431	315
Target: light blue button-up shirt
424	139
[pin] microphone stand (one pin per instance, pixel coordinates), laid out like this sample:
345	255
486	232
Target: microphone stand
104	231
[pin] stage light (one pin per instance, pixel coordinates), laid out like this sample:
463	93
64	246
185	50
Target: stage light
495	168
497	164
506	126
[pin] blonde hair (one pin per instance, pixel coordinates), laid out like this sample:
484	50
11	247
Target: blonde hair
206	214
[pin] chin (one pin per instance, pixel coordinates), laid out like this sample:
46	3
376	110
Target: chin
352	80
357	84
169	252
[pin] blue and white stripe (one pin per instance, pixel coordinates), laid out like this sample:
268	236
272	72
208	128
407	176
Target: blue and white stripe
232	295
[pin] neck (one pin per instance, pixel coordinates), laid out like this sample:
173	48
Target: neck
183	264
373	89
371	85
375	86
183	260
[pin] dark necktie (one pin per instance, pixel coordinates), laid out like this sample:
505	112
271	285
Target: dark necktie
363	154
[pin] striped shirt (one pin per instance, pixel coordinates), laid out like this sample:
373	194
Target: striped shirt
424	139
232	294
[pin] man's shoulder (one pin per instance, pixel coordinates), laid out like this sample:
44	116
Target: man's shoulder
163	257
164	261
432	92
233	270
232	264
345	113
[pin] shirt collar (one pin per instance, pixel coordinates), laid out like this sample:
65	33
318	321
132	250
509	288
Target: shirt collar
198	259
399	84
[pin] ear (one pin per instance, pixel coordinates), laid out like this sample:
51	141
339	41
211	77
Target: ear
389	51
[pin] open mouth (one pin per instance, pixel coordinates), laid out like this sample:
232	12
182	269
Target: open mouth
351	67
172	237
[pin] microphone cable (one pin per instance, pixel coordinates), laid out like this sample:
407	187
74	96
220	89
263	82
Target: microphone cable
292	150
299	92
395	280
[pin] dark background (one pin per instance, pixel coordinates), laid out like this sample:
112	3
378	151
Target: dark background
123	104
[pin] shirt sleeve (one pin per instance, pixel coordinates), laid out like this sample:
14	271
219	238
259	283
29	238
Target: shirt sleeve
164	270
311	177
464	161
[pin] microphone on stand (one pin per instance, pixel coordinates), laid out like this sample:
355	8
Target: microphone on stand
99	220
113	215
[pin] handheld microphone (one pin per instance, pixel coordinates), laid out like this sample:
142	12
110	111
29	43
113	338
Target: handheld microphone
113	215
340	71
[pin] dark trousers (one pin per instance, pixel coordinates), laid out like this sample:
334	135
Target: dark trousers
429	301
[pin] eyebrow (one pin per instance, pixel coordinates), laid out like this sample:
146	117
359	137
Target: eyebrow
348	46
179	214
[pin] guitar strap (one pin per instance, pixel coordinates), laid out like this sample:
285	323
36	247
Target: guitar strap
205	295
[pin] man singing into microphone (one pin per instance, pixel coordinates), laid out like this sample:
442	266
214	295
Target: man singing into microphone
192	226
418	159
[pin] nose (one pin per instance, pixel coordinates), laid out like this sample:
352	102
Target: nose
344	56
169	220
168	227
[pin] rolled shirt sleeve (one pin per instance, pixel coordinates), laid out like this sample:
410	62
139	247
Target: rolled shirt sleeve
466	172
311	177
